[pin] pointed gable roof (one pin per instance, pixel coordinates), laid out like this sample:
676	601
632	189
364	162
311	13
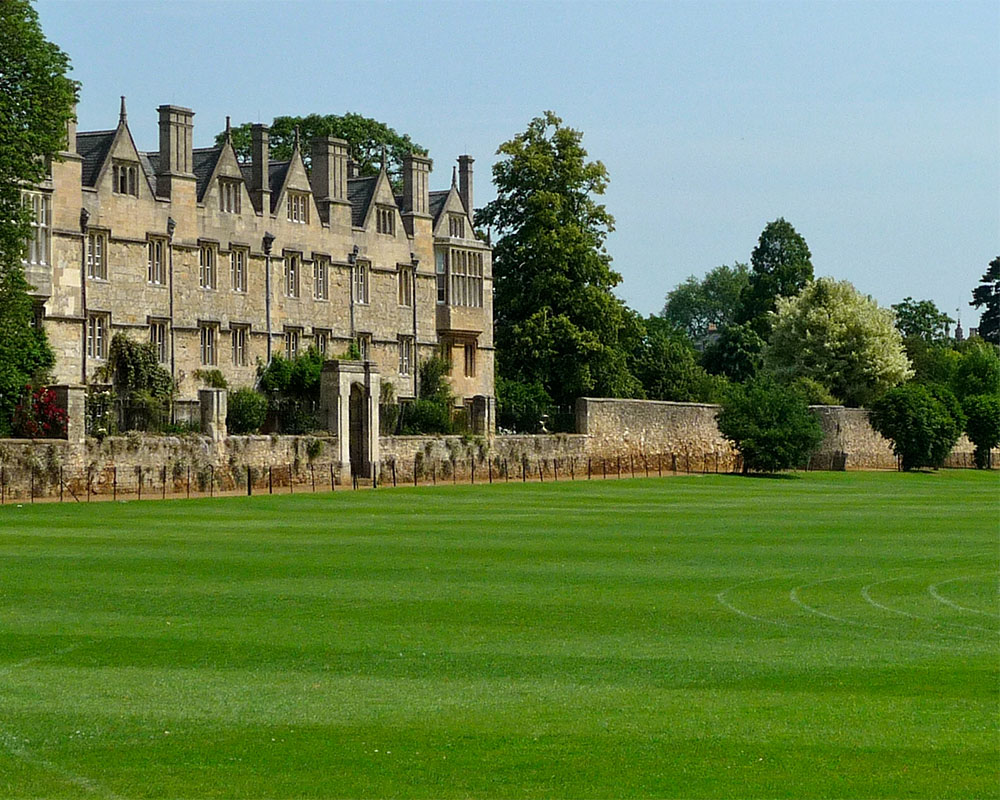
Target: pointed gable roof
205	159
438	200
359	194
93	147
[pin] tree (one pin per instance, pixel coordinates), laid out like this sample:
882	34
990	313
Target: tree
366	139
781	266
988	294
977	370
769	424
736	354
921	319
557	323
665	362
982	425
36	102
694	305
919	425
839	337
144	388
431	411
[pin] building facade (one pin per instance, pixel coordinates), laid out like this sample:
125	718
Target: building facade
223	264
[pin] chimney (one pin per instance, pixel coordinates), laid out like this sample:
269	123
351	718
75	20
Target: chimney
329	172
465	182
71	131
176	131
260	180
352	168
416	171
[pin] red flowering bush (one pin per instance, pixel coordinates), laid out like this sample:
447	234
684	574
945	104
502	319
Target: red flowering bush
37	416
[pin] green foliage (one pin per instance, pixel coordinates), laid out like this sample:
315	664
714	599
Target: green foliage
920	426
212	378
352	353
431	411
247	410
977	371
839	338
25	355
987	295
143	387
736	354
521	406
365	137
921	319
813	392
665	362
557	322
296	378
932	362
696	304
982	425
769	424
781	266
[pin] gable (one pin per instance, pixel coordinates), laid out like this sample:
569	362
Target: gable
224	164
122	147
446	203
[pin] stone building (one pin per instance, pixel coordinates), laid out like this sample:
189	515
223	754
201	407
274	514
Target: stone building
221	264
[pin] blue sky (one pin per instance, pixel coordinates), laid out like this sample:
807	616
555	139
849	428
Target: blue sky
872	127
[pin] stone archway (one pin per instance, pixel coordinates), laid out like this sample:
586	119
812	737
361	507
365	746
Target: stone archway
348	399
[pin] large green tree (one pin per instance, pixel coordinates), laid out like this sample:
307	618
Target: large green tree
833	334
781	266
920	424
987	295
36	101
557	323
696	304
665	362
921	319
366	139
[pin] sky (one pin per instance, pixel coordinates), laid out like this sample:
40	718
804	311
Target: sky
873	127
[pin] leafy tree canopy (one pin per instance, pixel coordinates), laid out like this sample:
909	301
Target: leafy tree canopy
36	101
713	300
665	362
921	319
987	295
366	139
919	425
982	424
736	354
781	266
840	338
977	370
557	323
769	424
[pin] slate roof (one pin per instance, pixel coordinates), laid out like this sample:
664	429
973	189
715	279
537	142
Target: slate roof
205	159
359	195
93	147
276	173
436	203
150	163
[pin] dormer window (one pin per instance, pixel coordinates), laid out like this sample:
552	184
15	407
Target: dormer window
125	176
229	196
297	205
385	221
456	226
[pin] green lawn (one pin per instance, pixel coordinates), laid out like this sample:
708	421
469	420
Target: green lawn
824	635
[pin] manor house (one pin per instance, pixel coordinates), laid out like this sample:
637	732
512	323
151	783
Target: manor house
223	264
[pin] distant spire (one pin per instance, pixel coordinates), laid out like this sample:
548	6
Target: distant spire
454	176
122	115
229	130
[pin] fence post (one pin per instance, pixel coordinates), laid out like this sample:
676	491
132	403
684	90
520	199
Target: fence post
249	482
3	484
138	489
290	489
489	466
572	468
312	474
659	464
31	472
472	470
506	472
333	479
541	477
270	479
61	484
89	479
394	473
588	467
523	468
211	480
434	473
189	483
414	471
454	471
631	464
555	469
619	467
114	482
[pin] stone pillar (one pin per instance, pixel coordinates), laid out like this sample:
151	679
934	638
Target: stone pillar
214	407
72	399
483	420
336	383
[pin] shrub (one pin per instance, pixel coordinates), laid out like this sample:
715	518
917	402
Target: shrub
982	425
920	426
520	405
212	378
247	411
37	416
426	416
769	424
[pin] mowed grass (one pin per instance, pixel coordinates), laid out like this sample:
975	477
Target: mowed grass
824	635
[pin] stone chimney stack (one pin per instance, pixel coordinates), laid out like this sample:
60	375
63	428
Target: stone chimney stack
416	192
260	179
71	132
329	172
176	137
465	182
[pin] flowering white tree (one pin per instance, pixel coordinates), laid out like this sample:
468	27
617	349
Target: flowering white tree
835	335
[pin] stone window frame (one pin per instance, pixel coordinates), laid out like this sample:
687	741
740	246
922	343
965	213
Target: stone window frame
97	254
98	329
293	342
361	281
156	260
158	338
240	340
292	273
239	260
208	265
297	207
470	359
405	287
208	339
230	195
385	220
405	355
321	340
456	226
321	277
38	248
125	177
441	276
364	341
